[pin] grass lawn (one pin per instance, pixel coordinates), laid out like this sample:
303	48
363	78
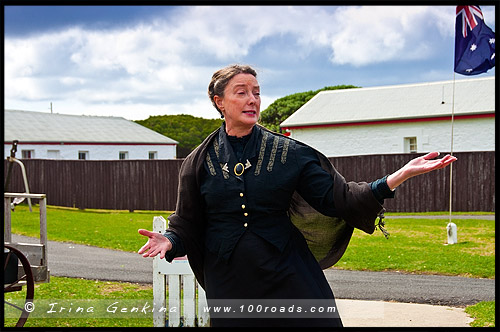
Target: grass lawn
483	314
414	246
101	228
72	293
420	246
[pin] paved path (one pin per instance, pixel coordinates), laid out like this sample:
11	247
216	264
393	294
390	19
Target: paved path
410	288
365	298
80	261
356	313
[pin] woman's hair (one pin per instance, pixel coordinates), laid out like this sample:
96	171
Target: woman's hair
221	78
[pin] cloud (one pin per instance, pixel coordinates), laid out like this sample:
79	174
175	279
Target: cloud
158	62
164	64
378	34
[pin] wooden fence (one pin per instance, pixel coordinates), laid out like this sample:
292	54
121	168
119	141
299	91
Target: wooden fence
152	184
473	187
117	185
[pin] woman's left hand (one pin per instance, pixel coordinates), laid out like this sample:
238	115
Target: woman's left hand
417	166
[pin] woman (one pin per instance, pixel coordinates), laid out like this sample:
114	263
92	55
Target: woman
248	196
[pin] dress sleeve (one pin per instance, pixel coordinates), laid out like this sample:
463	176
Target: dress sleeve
316	185
177	246
381	190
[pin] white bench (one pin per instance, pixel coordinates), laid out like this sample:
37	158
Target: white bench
184	307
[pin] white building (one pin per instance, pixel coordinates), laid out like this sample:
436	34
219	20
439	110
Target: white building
61	136
399	119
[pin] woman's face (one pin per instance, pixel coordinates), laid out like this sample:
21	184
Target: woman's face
240	104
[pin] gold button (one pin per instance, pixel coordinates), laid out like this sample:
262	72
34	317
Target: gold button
245	224
245	214
241	194
243	206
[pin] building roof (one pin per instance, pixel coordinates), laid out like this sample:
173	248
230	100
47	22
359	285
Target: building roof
409	101
26	126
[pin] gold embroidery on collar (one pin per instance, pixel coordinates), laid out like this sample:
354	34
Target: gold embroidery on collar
225	171
262	151
284	153
270	164
216	147
210	165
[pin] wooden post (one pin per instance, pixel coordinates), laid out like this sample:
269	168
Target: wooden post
184	307
174	300
203	316
43	220
189	300
7	235
159	293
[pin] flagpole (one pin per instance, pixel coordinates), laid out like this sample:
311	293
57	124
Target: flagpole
474	54
451	148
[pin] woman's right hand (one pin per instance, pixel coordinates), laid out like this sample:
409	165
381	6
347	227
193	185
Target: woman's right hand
157	244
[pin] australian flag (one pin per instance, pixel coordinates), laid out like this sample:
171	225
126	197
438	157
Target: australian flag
474	42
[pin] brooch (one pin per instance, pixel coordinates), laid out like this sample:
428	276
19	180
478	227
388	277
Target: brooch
239	168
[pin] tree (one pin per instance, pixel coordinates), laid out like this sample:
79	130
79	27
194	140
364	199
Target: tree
283	107
188	130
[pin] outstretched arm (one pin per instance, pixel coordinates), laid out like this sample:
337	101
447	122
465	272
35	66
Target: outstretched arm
418	166
157	244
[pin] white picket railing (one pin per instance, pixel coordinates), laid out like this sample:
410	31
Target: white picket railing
184	307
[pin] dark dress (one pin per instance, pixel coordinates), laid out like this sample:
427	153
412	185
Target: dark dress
252	250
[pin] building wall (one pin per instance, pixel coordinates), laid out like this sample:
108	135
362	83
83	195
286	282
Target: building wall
95	152
468	135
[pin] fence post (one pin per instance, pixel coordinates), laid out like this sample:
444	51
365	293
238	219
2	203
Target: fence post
159	293
189	299
203	316
185	307
7	235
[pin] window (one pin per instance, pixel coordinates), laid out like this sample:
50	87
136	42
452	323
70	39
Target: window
53	154
123	155
83	155
28	154
410	144
153	154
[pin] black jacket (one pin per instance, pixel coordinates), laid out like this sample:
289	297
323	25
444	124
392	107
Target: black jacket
274	187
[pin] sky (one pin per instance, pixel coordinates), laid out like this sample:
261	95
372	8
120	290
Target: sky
141	61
